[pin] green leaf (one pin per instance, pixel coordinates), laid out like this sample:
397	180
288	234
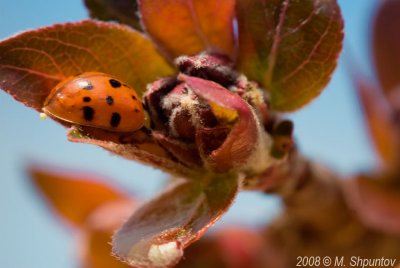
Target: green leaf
188	27
124	11
290	47
386	44
157	233
33	62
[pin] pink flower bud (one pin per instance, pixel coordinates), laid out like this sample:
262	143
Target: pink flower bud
209	116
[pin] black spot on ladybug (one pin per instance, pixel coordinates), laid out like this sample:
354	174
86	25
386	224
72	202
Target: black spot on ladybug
115	83
88	113
109	100
86	99
133	97
136	110
115	119
83	84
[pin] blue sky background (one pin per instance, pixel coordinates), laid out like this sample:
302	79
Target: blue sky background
329	130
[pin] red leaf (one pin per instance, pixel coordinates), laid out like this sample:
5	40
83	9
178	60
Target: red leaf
193	25
386	44
229	248
124	11
146	151
375	203
95	239
383	130
290	47
186	153
73	195
33	62
98	251
157	233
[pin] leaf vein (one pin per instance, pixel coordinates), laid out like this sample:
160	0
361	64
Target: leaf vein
311	54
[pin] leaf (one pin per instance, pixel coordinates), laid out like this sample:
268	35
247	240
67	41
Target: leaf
95	244
124	11
290	47
33	62
157	233
386	43
231	247
193	25
186	153
380	122
145	151
374	202
98	253
73	195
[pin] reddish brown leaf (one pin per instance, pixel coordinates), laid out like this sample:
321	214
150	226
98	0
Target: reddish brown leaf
290	47
146	151
157	233
95	240
124	11
386	44
33	62
186	153
382	128
73	195
187	27
375	203
227	248
98	253
94	207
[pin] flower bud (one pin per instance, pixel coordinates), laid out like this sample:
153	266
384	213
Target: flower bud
209	116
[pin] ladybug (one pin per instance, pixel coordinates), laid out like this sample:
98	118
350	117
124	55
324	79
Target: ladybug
97	100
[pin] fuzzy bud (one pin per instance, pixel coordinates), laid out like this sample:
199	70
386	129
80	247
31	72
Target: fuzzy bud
209	116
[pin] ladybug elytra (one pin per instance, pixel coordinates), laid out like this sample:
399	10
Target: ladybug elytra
97	100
